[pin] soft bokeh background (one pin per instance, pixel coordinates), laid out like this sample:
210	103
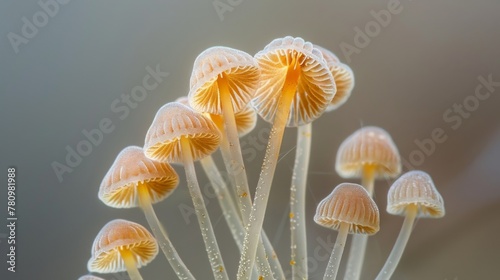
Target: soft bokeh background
65	79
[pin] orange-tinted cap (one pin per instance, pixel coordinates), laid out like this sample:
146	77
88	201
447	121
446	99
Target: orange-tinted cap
130	169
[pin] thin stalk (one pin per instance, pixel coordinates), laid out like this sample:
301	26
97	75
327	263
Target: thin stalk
267	265
334	262
161	236
359	241
234	222
258	212
399	246
130	264
298	258
207	231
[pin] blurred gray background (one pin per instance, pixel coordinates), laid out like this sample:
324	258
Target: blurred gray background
412	72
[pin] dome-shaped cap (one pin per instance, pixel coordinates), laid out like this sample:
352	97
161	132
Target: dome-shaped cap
351	204
131	169
368	146
343	76
315	88
121	235
174	121
415	187
238	68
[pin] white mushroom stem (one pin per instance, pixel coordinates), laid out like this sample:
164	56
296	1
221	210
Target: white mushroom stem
359	241
207	230
235	164
259	206
334	262
130	264
399	246
161	236
266	256
298	236
234	222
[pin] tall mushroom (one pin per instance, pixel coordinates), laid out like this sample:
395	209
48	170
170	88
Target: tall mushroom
368	153
179	134
412	195
296	87
122	245
348	209
137	181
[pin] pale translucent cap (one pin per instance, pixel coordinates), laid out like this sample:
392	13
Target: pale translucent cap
130	169
240	70
343	76
121	235
349	203
90	277
415	187
174	121
315	88
246	119
368	146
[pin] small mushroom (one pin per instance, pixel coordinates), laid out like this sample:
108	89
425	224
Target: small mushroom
180	134
348	209
412	195
222	84
137	181
296	87
368	153
122	245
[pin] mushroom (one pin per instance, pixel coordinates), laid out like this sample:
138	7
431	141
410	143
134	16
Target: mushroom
180	134
368	153
89	277
222	84
413	195
246	120
137	181
122	245
349	209
296	87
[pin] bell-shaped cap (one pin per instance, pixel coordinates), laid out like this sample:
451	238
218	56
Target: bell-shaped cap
116	236
351	204
132	168
174	121
315	88
239	69
368	146
417	188
343	76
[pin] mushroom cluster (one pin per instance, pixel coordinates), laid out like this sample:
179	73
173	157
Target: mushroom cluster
290	83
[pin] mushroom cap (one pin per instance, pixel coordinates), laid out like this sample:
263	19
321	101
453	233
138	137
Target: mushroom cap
349	203
121	235
90	277
343	76
240	70
315	88
415	187
132	168
368	146
174	121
